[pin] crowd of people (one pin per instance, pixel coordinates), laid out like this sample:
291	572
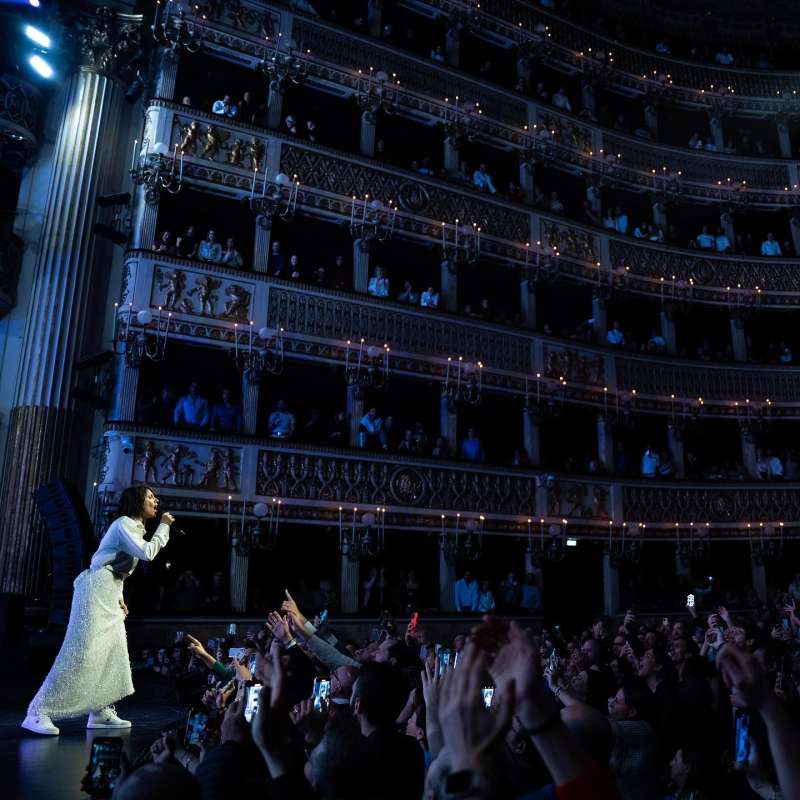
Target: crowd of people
209	249
699	707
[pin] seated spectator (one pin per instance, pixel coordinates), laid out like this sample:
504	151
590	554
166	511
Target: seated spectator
276	260
312	427
371	431
555	205
164	244
482	180
621	221
519	458
210	249
560	99
641	231
430	298
408	295
769	247
656	343
609	223
319	277
589	214
186	246
378	284
407	442
281	422
656	234
515	192
226	416
472	448
704	240
157	409
541	92
191	411
775	466
785	355
439	449
662	47
650	463
186	100
224	107
231	257
339	434
311	130
615	337
530	597
290	125
466	593
666	469
722	244
420	439
621	124
294	267
486	603
710	146
245	109
437	54
724	57
696	141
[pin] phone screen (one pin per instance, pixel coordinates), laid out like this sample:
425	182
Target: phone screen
742	742
251	695
323	616
785	623
690	601
236	652
104	766
443	657
414	621
488	693
195	726
251	664
322	693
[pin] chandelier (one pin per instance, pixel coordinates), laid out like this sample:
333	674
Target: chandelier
134	340
457	545
366	368
374	92
156	171
278	198
364	537
261	533
369	221
621	550
464	245
468	382
280	67
255	362
767	547
175	31
461	118
549	547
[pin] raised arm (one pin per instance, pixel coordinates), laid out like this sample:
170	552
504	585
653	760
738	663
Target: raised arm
130	540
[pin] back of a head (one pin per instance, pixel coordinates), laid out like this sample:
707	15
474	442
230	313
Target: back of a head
383	692
591	730
337	763
159	782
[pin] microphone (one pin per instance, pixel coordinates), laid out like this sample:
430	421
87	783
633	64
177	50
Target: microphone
177	531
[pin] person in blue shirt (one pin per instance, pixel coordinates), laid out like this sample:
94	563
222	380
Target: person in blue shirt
227	415
191	410
466	593
472	448
530	599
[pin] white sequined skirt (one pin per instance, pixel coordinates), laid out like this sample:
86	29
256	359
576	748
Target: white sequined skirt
92	669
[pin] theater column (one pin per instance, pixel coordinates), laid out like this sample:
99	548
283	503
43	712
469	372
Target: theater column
355	410
452	154
249	405
448	273
447	583
651	117
274	104
738	336
784	137
367	140
374	17
748	450
452	46
605	443
675	442
350	586
659	214
361	265
167	73
758	573
531	439
588	103
527	300
45	439
717	134
667	320
728	228
610	586
239	569
600	317
794	229
448	424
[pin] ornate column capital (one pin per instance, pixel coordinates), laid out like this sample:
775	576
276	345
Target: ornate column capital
110	42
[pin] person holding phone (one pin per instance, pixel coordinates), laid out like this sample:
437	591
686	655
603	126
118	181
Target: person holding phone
92	670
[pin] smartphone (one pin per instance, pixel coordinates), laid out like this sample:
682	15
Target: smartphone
232	629
414	622
195	727
321	693
689	601
323	616
179	637
488	693
785	623
104	766
251	695
553	660
443	657
251	664
237	652
741	745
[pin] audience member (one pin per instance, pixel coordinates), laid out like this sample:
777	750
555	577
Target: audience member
281	422
191	411
210	249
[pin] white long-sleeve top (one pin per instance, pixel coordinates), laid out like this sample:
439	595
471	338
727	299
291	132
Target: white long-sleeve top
124	545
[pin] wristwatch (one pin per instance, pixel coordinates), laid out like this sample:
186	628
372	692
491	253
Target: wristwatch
462	784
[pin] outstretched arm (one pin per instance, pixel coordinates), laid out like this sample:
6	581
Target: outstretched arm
131	542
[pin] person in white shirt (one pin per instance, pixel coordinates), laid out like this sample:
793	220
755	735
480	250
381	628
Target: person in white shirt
775	466
281	422
437	54
769	247
466	593
560	100
609	223
722	244
370	429
482	180
786	356
705	241
378	284
231	257
555	205
621	220
724	57
650	463
210	249
92	670
191	411
430	298
657	343
486	603
615	337
223	107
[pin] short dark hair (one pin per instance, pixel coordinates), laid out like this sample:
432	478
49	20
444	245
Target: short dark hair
640	698
338	761
383	692
131	502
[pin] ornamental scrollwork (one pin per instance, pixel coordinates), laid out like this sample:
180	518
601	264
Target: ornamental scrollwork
111	42
574	365
569	241
175	464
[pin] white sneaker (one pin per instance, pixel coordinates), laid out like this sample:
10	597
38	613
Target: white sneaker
106	718
40	723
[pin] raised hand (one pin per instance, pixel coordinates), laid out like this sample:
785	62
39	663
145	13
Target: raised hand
742	672
234	726
279	627
267	726
290	606
241	671
309	721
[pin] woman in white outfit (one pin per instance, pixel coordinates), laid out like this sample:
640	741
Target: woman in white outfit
92	669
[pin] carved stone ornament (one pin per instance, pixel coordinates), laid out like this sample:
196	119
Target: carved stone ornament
408	486
111	41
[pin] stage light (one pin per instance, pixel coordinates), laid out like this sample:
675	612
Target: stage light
34	3
40	66
35	35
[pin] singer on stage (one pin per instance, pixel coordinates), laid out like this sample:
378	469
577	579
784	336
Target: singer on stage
92	669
